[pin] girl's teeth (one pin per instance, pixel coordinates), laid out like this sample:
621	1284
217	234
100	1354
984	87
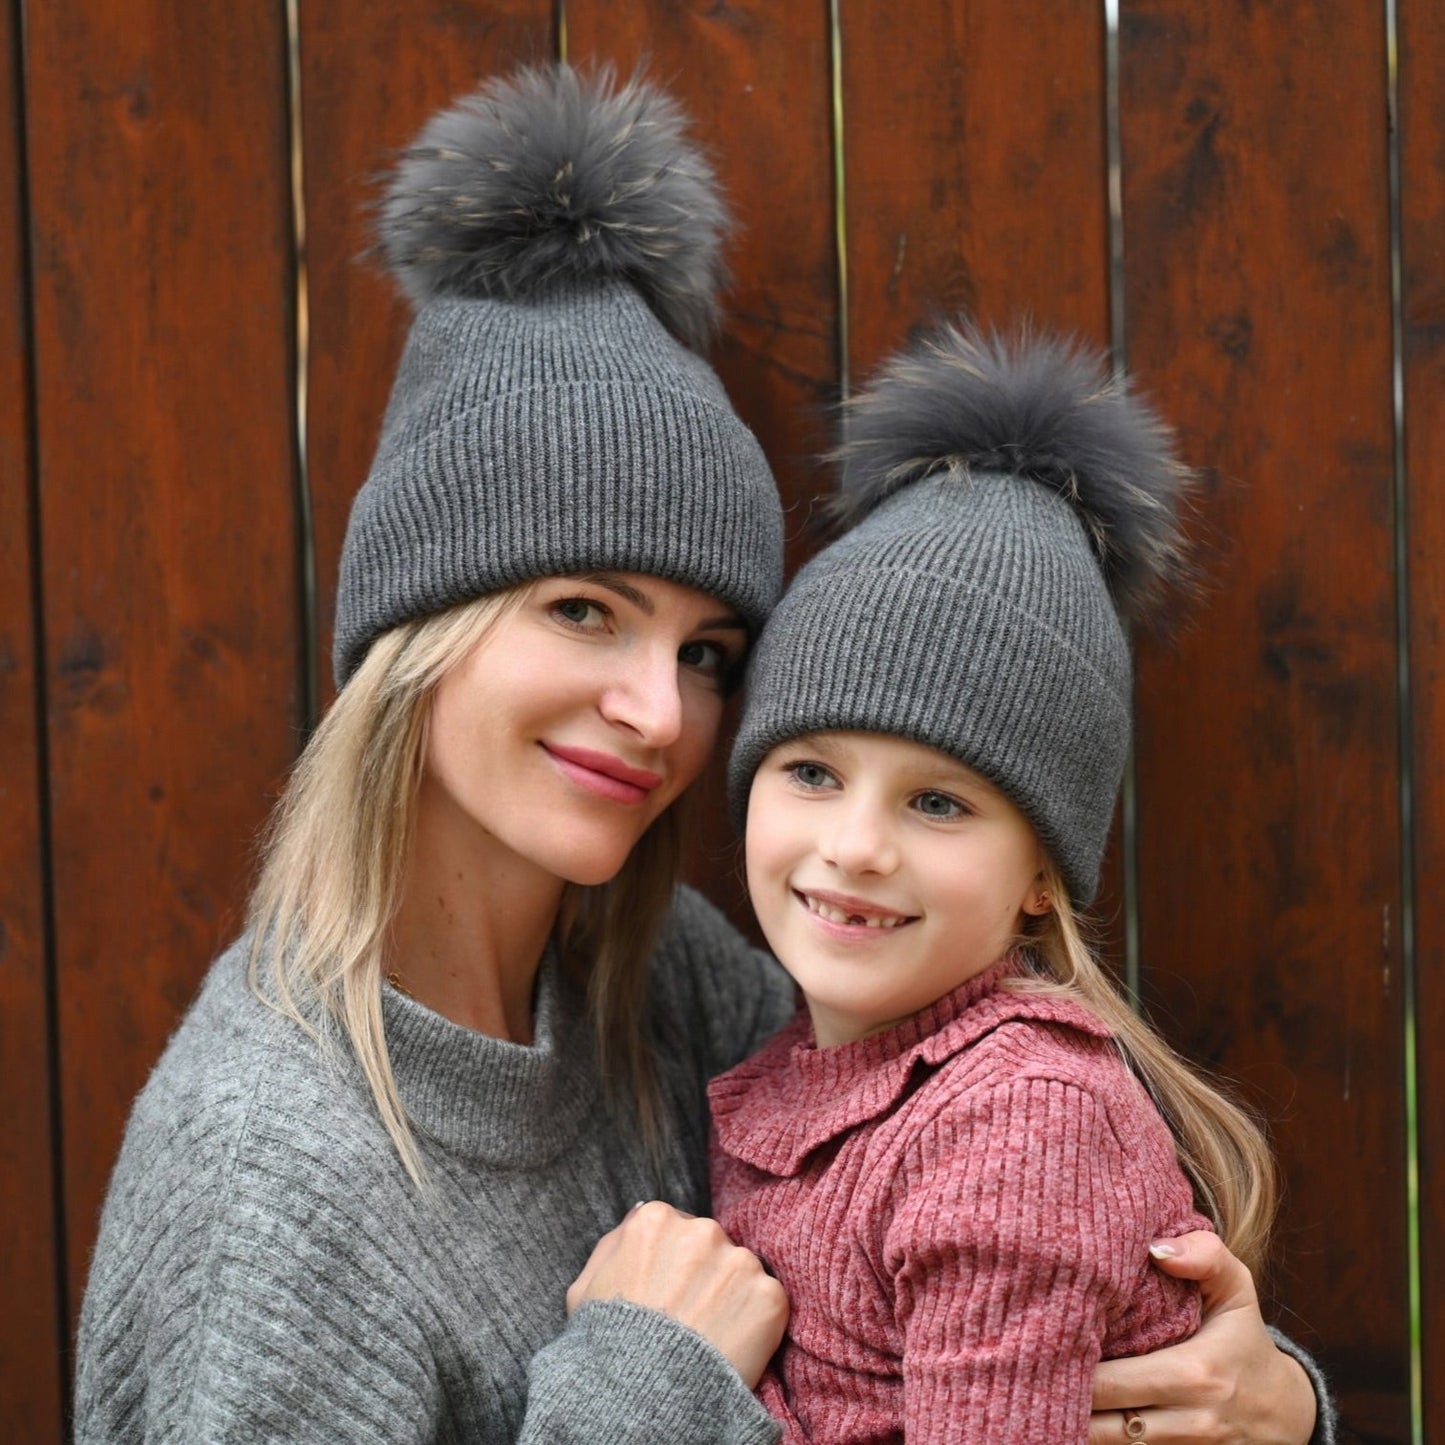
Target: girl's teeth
855	920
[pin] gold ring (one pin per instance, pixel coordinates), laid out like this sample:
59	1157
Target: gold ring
1134	1426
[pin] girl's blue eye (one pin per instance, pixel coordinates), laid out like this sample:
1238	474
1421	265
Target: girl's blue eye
939	805
810	775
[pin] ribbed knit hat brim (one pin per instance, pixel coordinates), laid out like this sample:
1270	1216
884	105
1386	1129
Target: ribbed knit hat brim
530	439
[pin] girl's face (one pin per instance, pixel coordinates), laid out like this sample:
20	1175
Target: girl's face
884	874
577	720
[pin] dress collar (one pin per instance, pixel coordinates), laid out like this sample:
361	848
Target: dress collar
792	1097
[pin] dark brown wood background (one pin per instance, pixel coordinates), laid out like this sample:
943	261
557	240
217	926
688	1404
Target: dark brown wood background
1284	867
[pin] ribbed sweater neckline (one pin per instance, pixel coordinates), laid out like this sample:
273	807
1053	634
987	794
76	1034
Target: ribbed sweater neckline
488	1099
792	1097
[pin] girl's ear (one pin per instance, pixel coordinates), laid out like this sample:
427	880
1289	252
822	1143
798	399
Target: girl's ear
1038	902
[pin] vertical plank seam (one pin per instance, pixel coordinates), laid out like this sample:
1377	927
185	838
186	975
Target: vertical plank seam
1405	739
840	191
42	714
1119	354
559	29
308	661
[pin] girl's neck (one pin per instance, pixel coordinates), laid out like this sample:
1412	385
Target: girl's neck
473	923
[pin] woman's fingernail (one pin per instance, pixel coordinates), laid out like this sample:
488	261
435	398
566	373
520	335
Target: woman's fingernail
1162	1249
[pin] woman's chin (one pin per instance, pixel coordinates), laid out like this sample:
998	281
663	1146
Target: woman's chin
591	877
591	867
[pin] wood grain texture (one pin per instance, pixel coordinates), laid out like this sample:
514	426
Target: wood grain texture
372	73
165	403
1422	190
31	1385
1258	306
975	153
754	77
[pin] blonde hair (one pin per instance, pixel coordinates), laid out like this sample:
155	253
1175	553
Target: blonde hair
1221	1148
333	864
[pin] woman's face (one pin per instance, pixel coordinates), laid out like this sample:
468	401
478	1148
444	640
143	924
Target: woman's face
578	719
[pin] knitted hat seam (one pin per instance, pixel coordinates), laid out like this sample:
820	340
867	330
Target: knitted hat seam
804	586
475	413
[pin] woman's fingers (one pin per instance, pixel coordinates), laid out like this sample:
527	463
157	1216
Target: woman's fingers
1161	1427
688	1268
1224	1283
1227	1385
1170	1376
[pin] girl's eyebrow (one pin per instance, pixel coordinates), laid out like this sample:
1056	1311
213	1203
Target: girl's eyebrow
818	742
644	603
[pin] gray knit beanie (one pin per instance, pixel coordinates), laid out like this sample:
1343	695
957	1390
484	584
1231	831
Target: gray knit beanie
560	239
1008	503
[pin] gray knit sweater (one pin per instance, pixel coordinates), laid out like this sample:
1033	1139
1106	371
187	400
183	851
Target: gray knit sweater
266	1271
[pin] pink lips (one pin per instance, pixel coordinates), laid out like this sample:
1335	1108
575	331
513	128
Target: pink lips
602	774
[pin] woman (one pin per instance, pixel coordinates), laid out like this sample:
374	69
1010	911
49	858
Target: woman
358	1198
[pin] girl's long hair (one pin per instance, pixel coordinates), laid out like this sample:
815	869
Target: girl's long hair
333	862
1221	1148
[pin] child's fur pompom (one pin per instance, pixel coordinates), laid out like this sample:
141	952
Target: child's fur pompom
1036	407
552	175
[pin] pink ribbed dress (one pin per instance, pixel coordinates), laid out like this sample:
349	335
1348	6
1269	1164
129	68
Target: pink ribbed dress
960	1209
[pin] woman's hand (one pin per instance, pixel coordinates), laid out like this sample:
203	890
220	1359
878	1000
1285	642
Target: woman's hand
1228	1385
689	1269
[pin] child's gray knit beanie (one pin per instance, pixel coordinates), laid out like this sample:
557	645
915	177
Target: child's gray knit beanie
1009	501
560	239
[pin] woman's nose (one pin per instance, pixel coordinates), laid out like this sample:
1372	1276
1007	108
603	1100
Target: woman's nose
644	696
860	840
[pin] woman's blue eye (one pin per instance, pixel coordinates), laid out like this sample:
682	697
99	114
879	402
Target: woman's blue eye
938	805
579	611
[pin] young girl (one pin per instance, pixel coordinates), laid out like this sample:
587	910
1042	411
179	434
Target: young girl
955	1160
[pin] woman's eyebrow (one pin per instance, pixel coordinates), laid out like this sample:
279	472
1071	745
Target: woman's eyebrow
644	603
623	589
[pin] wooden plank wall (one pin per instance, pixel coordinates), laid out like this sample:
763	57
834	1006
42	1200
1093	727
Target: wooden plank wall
1257	299
1421	119
30	1365
154	606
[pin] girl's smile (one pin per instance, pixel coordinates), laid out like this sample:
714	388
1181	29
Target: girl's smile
884	874
847	915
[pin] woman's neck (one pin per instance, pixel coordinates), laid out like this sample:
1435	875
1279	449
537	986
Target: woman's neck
472	926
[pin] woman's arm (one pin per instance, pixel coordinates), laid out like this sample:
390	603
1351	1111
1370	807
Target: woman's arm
1229	1385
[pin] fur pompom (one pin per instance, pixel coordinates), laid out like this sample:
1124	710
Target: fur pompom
552	175
1035	407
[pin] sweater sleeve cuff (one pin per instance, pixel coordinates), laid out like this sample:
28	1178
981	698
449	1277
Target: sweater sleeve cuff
621	1372
1326	1420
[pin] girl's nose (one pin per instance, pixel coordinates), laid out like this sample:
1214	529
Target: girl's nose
644	696
860	840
